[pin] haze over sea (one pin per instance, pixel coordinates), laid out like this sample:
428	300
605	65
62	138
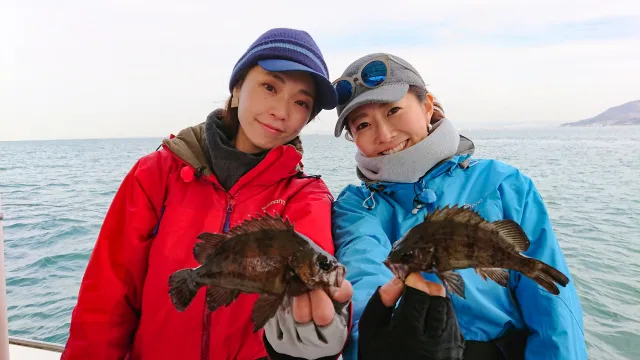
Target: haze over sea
56	193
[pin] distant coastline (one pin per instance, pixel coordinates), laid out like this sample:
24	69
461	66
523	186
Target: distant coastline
622	115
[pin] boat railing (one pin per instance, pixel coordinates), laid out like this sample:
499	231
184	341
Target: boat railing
4	321
43	345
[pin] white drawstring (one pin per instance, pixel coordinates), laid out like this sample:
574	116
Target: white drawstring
364	203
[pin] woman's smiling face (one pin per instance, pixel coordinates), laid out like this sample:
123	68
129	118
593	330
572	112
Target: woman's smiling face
273	108
385	128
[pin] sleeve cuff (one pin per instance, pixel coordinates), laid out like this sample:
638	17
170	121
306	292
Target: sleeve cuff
290	340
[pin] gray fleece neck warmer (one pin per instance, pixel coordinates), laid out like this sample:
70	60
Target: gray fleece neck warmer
409	165
227	163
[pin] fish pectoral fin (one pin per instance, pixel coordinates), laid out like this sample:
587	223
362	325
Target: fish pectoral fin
453	282
511	231
217	297
500	276
264	309
209	242
296	286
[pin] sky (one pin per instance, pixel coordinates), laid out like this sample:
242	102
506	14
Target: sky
136	68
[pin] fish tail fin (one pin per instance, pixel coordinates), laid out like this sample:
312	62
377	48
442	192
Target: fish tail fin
546	276
183	288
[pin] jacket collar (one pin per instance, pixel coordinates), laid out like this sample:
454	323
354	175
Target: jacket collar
461	159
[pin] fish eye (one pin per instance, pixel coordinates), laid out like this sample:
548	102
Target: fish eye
406	257
323	263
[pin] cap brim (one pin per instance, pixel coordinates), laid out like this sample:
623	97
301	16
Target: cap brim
383	94
327	99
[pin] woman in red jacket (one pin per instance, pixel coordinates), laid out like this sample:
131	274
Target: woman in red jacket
244	159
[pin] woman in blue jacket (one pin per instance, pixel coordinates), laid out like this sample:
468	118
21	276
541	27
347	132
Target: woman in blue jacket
411	160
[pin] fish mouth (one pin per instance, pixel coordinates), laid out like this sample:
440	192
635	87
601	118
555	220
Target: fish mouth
401	271
337	276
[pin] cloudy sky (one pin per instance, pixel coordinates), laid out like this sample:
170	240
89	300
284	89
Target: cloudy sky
134	68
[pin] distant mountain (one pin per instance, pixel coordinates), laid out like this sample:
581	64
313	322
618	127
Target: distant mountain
626	114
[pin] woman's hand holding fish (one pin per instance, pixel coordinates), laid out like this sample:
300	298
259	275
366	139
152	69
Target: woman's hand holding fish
391	291
423	326
318	307
295	334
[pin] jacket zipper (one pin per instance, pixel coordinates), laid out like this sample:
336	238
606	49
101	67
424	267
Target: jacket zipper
232	201
206	322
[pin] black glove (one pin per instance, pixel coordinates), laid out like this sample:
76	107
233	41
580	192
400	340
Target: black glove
422	327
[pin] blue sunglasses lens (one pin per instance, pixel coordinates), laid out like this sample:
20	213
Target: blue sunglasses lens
374	73
344	90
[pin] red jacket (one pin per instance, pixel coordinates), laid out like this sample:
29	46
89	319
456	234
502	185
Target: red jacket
149	232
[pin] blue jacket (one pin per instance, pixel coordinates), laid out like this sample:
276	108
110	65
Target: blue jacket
366	222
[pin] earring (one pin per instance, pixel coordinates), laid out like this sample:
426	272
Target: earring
429	127
235	99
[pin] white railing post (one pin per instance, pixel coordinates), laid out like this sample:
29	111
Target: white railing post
4	322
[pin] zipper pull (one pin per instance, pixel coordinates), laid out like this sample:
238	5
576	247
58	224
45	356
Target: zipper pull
225	227
232	201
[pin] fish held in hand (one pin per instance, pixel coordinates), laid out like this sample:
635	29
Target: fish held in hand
457	238
263	255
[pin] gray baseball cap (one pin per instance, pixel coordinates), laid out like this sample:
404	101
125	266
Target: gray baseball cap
400	76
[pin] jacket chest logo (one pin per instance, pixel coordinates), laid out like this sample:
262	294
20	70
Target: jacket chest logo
471	206
274	202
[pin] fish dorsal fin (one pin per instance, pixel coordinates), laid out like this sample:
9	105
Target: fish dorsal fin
209	242
261	222
511	231
455	213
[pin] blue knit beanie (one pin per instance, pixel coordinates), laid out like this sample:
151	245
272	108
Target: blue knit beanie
283	49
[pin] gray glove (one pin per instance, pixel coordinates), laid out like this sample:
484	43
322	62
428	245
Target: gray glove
307	341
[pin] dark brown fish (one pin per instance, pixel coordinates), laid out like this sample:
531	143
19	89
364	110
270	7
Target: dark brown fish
263	255
458	238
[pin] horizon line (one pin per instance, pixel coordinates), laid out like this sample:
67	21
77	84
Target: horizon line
327	133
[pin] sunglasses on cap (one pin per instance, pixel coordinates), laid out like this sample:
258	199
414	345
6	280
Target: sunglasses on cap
371	75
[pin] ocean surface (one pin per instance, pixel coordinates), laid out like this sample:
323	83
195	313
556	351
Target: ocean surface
56	194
